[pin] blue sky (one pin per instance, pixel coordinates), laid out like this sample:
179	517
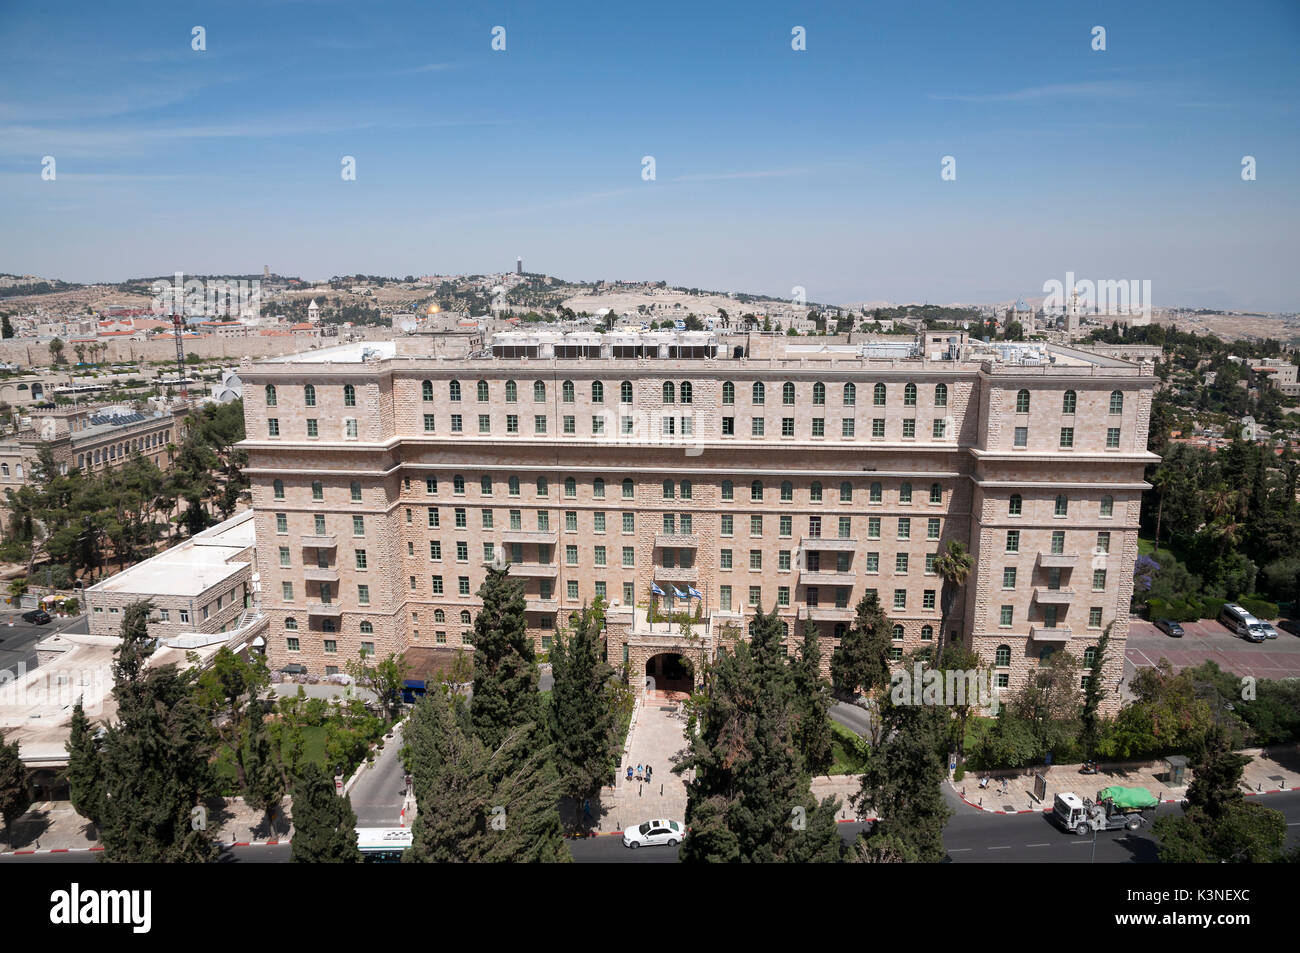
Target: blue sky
774	168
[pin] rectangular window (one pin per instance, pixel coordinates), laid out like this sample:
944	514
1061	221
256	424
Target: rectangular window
929	563
783	595
932	528
724	597
272	427
570	521
755	559
570	424
1013	541
1022	437
1067	437
846	427
462	585
877	427
629	557
598	522
900	563
927	599
940	428
1112	438
599	554
1009	577
756	427
724	559
1094	617
462	517
487	519
363	595
846	527
756	526
428	423
360	555
456	425
873	562
484	423
284	555
286	593
331	646
873	527
539	423
281	523
571	590
597	424
358	526
819	427
787	426
571	555
291	643
1007	613
431	485
437	585
900	598
755	595
435	549
904	527
727	527
783	560
728	426
462	551
1103	542
1098	580
628	595
512	423
909	428
1058	542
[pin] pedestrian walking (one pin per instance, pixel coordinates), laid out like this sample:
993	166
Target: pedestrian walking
638	772
648	771
629	772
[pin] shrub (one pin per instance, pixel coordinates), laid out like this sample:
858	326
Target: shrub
1258	607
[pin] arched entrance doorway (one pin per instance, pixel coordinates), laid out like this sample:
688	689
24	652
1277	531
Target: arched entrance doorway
671	673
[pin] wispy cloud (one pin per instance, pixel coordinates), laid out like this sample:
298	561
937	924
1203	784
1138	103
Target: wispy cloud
1096	89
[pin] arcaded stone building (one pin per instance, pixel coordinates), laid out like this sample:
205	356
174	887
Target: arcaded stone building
737	470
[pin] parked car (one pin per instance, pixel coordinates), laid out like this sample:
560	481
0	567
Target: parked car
1269	631
1255	632
653	833
36	617
1170	627
1290	625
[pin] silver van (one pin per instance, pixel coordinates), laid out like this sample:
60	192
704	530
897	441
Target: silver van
1242	623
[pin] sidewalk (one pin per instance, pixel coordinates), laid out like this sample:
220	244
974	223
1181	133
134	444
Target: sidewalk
1269	771
656	734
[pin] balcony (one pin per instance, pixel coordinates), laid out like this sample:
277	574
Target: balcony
1053	597
1058	560
829	614
677	540
677	574
320	574
538	604
834	544
323	541
325	610
1041	633
827	578
534	570
530	536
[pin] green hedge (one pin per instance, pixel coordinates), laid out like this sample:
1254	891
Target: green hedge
1259	608
1188	610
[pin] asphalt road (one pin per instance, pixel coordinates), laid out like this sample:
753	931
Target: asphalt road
18	640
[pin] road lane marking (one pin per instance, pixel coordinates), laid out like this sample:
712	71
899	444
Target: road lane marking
1007	847
1038	845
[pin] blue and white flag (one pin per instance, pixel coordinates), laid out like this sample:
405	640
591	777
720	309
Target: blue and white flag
654	587
679	594
695	593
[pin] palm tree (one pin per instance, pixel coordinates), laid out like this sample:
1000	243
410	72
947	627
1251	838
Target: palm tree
954	564
1161	480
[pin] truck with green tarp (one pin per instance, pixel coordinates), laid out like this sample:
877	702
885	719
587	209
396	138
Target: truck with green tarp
1115	807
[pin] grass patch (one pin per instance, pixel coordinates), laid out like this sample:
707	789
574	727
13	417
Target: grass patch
313	749
848	751
1146	547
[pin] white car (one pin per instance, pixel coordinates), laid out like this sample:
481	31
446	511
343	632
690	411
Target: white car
654	833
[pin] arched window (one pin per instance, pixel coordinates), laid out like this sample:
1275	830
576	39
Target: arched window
458	485
936	493
686	392
482	388
349	395
686	489
539	390
878	395
270	395
941	395
543	486
877	493
850	395
1089	656
897	633
668	392
905	493
454	390
815	493
1002	657
277	489
728	392
317	490
668	489
819	393
513	485
909	395
1108	506
512	392
366	627
291	624
756	490
629	489
787	394
1069	401
464	617
759	392
846	492
625	392
355	489
728	490
597	392
1014	505
598	488
787	491
1116	402
570	487
566	392
309	395
1022	401
1062	505
439	615
426	390
485	485
927	633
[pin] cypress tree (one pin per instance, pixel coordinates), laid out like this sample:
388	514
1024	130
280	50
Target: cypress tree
324	824
901	785
861	661
505	671
812	704
14	794
582	720
155	759
264	785
85	767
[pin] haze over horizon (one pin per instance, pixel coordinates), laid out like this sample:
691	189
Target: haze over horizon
774	168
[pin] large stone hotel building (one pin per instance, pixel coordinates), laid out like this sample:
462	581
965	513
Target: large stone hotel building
752	470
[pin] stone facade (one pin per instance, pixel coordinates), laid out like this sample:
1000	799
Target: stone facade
381	493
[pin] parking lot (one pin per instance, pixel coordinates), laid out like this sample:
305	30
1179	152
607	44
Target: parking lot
1208	639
